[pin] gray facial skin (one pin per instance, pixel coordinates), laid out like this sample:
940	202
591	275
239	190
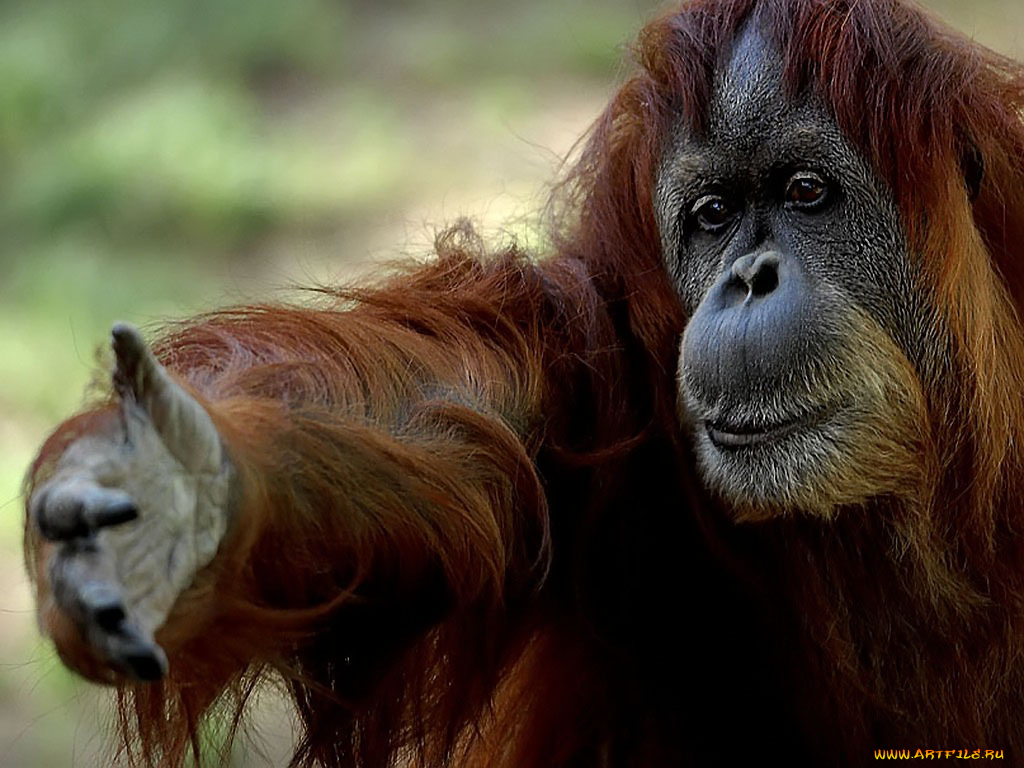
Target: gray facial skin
806	312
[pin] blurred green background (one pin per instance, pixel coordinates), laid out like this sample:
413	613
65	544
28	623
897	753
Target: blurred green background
162	156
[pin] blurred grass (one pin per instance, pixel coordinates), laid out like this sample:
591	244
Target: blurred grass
160	157
143	142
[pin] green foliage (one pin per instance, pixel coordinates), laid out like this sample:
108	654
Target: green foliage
168	120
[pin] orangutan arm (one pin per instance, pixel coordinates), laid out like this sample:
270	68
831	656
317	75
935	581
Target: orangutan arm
381	453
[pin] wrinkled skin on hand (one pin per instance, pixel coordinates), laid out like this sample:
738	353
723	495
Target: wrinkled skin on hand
133	515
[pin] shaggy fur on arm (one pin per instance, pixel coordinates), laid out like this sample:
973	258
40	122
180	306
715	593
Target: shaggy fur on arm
390	529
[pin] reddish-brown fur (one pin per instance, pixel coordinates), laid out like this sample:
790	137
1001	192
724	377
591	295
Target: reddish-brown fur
468	525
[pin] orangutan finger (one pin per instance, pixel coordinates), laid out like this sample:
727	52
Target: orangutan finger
76	507
182	423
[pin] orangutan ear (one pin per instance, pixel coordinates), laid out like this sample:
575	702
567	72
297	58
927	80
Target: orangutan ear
972	163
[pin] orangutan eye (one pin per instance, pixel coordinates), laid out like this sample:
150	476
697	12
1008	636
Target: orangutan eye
713	213
806	191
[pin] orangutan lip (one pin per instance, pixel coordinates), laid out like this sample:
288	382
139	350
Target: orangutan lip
743	436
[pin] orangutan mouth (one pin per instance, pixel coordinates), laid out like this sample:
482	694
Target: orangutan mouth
727	436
